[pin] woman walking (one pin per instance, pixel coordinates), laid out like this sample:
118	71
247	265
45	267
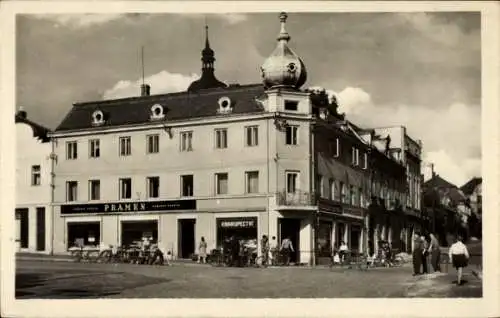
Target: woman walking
202	250
459	256
435	252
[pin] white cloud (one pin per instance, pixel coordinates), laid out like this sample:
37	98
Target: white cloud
451	135
231	18
163	82
79	20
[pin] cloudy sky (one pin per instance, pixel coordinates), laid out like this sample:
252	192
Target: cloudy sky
414	69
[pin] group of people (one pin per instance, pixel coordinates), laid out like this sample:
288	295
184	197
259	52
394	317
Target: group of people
425	246
269	250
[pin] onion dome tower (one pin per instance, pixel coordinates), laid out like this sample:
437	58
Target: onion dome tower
207	79
283	68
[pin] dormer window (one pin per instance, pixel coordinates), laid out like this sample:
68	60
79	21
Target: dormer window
157	112
97	118
225	105
291	105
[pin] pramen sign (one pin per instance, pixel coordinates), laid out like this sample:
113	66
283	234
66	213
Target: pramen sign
118	207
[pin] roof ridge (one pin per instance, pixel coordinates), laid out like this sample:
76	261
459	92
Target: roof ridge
208	91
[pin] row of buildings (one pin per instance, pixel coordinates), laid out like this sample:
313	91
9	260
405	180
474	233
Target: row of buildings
214	161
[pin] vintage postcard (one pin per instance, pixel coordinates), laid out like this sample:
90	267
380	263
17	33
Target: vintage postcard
249	159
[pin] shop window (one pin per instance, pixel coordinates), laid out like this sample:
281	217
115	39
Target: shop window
221	183
354	238
252	182
125	188
84	234
153	143
292	135
134	232
125	146
324	247
94	148
186	141
36	175
221	138
252	136
94	190
187	185
153	187
291	182
71	150
245	229
71	191
291	105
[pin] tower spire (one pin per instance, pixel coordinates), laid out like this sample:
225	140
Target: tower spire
207	43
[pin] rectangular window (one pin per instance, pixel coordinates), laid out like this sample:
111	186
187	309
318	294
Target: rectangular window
221	138
352	195
291	135
291	105
252	136
153	143
187	185
221	183
153	187
355	156
331	186
320	188
365	161
361	198
94	190
125	146
186	141
71	191
335	147
94	148
71	150
36	176
252	182
125	188
343	194
291	182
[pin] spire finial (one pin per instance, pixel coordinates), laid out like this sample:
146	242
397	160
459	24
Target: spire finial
207	44
283	34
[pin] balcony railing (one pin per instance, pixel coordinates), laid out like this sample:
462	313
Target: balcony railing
297	198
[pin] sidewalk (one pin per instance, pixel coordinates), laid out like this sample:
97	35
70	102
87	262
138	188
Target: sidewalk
440	285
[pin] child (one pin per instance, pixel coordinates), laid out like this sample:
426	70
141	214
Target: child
459	255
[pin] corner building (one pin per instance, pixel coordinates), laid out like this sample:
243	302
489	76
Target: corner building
214	161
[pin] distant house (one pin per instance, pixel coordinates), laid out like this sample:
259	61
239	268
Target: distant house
473	192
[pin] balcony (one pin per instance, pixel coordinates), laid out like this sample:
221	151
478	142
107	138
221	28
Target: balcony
297	199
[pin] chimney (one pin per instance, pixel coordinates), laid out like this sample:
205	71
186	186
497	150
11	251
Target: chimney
145	90
21	113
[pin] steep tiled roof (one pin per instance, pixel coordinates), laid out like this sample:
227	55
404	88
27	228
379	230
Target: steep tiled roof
469	187
177	106
39	131
438	182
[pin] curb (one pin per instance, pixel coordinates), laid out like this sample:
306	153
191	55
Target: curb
44	259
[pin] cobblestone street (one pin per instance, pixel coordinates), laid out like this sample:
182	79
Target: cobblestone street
46	279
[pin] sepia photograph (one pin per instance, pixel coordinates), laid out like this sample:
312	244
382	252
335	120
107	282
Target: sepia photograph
282	154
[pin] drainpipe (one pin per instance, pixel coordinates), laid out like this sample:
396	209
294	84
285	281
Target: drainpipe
52	188
312	182
268	187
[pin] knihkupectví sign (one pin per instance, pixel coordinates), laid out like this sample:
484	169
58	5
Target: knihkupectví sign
117	207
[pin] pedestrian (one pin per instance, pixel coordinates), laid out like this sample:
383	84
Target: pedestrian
417	254
343	250
273	248
425	247
435	252
264	247
287	249
459	256
202	250
235	251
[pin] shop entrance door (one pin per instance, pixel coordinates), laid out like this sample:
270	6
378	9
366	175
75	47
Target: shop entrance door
291	228
186	237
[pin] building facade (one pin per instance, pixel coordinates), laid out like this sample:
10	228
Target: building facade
33	186
220	160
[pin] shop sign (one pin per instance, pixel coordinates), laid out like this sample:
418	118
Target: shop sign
238	223
143	206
